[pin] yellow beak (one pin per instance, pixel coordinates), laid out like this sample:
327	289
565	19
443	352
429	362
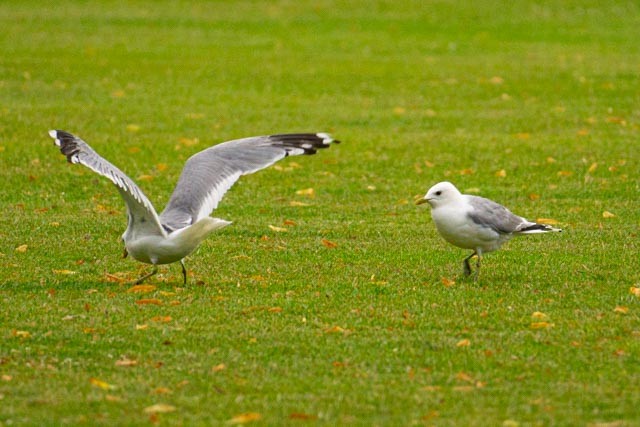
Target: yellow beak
421	201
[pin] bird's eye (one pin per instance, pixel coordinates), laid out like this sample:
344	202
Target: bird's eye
438	193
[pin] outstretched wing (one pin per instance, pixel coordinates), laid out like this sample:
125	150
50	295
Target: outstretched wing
142	216
208	175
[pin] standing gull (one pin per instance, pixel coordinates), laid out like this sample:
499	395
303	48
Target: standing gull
185	222
475	223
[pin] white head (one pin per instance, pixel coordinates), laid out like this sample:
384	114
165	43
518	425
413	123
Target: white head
439	194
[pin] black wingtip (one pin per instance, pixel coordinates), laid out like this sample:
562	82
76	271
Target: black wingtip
67	144
308	142
540	227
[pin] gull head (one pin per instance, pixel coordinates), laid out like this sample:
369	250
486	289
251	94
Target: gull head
439	194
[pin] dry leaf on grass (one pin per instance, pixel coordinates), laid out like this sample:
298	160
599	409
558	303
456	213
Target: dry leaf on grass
66	272
101	384
309	192
447	282
541	325
149	301
126	362
141	289
159	408
329	244
245	418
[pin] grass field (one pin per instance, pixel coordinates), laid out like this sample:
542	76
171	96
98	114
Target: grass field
357	314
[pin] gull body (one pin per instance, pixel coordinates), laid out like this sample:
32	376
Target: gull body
185	222
475	223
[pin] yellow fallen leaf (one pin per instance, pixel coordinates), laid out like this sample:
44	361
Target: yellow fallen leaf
21	334
63	272
464	388
551	160
467	171
538	315
496	80
582	132
101	384
141	327
463	376
161	319
621	309
463	343
159	408
278	229
219	367
126	362
161	390
133	128
141	289
501	173
145	177
289	222
118	93
635	291
149	301
161	167
523	135
541	325
22	248
334	329
245	418
399	111
593	167
607	214
565	173
295	203
329	244
447	282
533	197
309	192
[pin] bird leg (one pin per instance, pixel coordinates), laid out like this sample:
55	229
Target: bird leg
184	272
146	276
466	266
477	276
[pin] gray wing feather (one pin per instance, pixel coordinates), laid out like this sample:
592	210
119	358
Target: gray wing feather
208	175
490	214
139	207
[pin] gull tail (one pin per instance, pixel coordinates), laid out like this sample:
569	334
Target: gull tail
533	228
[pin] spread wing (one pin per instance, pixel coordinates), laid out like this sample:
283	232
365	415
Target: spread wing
142	216
208	175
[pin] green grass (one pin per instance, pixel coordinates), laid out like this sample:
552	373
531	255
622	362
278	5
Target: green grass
365	333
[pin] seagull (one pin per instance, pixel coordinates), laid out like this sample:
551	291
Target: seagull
476	223
185	222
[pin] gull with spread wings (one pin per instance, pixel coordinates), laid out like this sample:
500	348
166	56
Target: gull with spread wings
185	222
